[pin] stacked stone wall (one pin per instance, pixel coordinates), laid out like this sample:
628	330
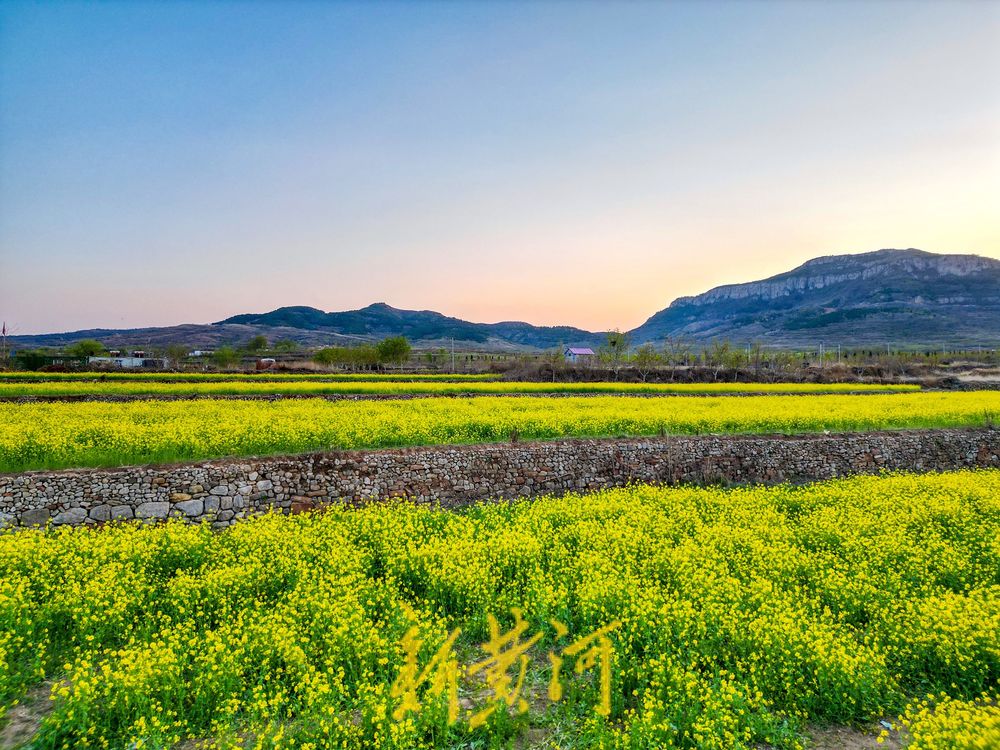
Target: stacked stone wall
221	492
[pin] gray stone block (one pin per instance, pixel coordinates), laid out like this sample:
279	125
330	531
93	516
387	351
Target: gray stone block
72	516
191	508
152	510
122	513
101	513
36	517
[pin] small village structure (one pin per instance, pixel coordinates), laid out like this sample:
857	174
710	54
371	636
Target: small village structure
579	355
37	361
137	359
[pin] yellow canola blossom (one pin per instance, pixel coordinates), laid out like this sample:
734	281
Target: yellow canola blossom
939	721
736	619
53	435
388	386
255	377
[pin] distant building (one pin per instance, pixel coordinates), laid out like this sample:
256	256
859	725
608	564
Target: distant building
36	361
129	362
578	355
265	363
201	353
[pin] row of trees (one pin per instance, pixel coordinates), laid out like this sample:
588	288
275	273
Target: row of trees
175	354
616	353
228	356
391	351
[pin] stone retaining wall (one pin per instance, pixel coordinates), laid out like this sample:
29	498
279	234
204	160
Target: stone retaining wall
227	490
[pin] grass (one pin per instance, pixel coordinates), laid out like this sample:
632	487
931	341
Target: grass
738	618
59	434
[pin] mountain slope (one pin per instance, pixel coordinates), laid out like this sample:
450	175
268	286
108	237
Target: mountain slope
887	296
192	335
897	297
381	320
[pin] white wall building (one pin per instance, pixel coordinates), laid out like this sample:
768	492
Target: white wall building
578	355
128	362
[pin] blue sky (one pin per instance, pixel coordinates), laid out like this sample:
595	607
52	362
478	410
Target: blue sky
563	162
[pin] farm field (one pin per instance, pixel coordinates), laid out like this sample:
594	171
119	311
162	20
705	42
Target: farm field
54	435
210	377
360	386
647	618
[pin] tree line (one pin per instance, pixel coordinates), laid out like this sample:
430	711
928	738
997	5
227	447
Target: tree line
394	350
616	353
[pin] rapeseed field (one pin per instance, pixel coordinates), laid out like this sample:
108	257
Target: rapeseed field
405	387
126	376
730	619
55	435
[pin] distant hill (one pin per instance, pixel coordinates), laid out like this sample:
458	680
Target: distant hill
887	296
900	297
193	335
381	320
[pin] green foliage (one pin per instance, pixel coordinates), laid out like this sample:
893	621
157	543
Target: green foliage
329	355
225	356
394	350
360	357
257	343
85	348
176	353
32	359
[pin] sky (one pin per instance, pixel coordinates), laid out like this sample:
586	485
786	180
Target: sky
574	163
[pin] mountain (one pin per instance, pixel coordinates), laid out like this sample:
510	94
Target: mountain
898	297
380	320
192	335
887	296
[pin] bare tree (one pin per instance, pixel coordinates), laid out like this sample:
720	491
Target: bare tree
718	356
5	331
614	352
677	351
176	353
645	360
555	360
755	355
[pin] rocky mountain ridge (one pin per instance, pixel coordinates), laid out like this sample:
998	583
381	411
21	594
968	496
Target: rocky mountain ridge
899	297
902	297
836	269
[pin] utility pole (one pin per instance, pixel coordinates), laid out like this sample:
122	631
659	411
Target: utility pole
452	355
